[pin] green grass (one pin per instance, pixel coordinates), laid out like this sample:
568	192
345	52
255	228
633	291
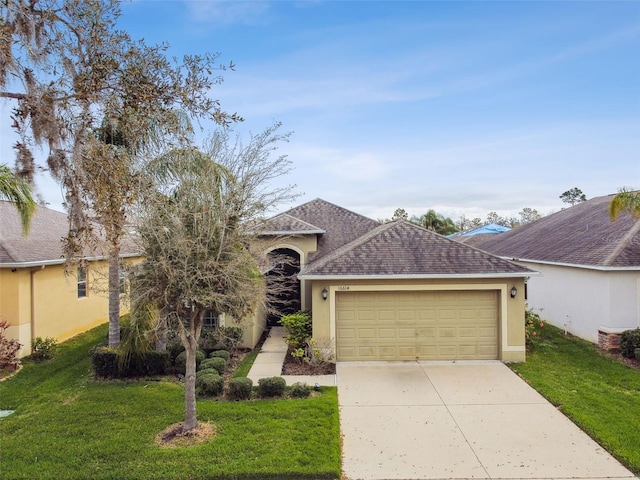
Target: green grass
601	395
246	364
68	426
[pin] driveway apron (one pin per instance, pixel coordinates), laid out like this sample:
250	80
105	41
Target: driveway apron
454	420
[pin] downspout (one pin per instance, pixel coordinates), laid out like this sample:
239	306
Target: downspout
32	284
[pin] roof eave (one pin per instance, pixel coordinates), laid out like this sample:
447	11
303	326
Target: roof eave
59	261
418	276
603	268
271	233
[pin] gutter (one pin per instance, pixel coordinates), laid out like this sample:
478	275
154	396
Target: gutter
453	276
601	268
59	261
32	300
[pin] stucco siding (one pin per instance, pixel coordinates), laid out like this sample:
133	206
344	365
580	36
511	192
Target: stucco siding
581	300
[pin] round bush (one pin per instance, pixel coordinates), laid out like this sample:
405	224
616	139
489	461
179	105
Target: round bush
300	390
629	341
206	371
220	353
219	363
240	388
271	386
181	360
209	385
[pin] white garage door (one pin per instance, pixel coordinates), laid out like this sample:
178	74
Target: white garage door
423	325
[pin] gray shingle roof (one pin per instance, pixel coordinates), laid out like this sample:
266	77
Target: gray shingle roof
44	242
285	224
580	235
401	248
341	225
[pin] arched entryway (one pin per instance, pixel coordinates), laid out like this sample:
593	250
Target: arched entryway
283	283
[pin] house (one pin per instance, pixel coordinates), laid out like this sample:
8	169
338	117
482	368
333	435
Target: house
37	297
589	282
397	291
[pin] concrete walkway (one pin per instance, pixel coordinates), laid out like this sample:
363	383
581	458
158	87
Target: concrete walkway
269	362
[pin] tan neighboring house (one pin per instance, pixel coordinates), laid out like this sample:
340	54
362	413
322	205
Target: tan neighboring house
589	282
37	298
396	291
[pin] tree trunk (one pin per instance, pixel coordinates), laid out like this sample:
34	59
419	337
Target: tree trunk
190	342
114	298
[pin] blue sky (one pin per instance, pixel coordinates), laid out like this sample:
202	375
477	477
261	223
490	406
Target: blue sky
464	107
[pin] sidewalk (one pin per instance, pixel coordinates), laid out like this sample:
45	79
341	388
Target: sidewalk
269	362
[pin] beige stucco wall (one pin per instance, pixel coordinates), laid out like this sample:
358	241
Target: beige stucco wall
511	310
43	302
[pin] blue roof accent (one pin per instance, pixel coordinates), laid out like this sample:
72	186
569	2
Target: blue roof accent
489	228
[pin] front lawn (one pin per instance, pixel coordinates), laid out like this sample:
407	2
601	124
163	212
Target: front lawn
68	426
601	395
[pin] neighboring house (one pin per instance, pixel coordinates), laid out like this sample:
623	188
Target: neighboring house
396	291
37	297
480	234
589	265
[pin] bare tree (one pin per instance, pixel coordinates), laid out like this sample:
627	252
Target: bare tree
197	237
70	74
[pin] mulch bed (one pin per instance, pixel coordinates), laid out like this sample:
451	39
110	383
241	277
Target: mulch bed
630	362
294	366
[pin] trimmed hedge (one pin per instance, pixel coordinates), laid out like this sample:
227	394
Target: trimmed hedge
240	388
300	390
220	364
210	385
271	386
629	341
181	361
206	371
106	364
220	353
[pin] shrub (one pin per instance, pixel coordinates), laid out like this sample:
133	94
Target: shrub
208	340
181	360
105	362
153	362
532	327
230	337
240	388
43	348
300	390
9	348
629	341
217	363
319	352
209	385
299	328
220	353
271	386
206	371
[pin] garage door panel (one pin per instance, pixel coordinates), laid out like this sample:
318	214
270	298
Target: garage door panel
426	325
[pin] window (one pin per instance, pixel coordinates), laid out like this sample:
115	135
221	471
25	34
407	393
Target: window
210	319
82	281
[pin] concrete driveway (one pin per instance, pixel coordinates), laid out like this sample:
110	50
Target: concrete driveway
437	420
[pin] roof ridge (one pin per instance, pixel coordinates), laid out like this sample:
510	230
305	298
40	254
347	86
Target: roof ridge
624	242
297	219
338	252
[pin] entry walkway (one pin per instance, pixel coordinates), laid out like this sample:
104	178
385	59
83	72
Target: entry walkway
269	362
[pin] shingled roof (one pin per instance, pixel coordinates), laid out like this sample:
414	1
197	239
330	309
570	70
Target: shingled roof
285	224
403	249
580	235
43	244
340	225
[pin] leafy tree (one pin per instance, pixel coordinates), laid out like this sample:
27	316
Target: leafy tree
465	224
17	190
493	217
400	214
435	222
627	200
70	74
573	196
528	215
198	239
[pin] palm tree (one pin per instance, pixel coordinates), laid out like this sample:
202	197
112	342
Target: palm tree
627	200
17	190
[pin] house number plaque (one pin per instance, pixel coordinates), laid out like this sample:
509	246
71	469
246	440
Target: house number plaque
343	288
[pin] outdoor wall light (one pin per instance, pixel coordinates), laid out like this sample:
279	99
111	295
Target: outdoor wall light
325	293
514	291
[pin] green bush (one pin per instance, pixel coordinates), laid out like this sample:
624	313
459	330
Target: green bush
210	385
299	328
532	328
152	363
206	371
105	362
271	387
230	337
9	348
240	388
220	353
629	341
43	348
181	360
217	363
208	340
300	390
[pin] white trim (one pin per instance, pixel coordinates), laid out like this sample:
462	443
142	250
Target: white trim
575	265
270	233
61	261
421	276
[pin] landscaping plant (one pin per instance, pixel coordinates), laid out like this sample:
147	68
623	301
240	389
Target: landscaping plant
9	348
43	348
